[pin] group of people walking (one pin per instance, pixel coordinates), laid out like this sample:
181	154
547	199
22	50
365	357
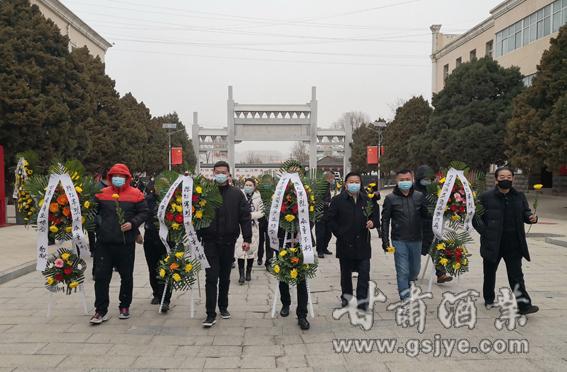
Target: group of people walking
238	233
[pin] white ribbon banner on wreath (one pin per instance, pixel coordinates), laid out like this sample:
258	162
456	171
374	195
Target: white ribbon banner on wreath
19	169
193	246
306	243
78	237
446	191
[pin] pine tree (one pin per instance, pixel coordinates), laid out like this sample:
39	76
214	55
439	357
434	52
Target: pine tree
537	131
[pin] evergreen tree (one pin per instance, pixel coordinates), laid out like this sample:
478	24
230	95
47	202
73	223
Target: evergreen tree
469	120
537	131
363	136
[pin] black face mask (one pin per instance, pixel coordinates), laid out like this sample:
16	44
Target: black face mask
505	184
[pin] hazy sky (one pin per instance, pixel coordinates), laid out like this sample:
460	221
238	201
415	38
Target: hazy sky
363	55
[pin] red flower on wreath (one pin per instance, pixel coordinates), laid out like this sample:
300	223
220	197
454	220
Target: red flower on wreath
169	216
284	208
68	271
195	198
294	209
58	277
453	208
179	218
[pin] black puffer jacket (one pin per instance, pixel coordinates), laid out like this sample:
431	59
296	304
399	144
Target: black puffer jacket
406	214
230	218
347	220
425	172
490	225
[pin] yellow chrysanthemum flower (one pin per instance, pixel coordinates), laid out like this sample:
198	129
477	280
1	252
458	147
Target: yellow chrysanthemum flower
79	190
391	249
161	273
276	269
456	266
175	226
311	208
188	267
202	203
179	254
53	229
440	246
455	218
87	204
179	208
50	280
73	284
115	196
442	180
179	199
289	217
283	252
293	273
538	186
198	189
65	256
176	277
68	229
293	250
199	214
443	261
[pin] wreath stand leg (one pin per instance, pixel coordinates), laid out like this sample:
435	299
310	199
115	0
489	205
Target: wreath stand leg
276	294
425	268
431	277
199	285
192	302
310	302
163	297
83	299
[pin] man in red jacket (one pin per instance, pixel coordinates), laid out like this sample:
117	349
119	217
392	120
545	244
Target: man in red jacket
121	209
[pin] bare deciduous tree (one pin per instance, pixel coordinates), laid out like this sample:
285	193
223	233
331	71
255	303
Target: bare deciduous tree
300	152
354	118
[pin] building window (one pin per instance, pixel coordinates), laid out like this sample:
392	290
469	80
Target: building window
489	49
458	61
472	56
528	80
445	72
535	26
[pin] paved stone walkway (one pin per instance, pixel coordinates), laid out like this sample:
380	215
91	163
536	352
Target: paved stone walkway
253	340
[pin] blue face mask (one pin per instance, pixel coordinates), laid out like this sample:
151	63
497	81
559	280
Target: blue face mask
249	190
118	181
221	178
405	185
353	188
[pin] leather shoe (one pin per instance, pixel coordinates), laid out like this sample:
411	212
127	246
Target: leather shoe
303	323
284	311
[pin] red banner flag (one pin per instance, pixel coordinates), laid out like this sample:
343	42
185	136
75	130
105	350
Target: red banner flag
176	155
372	155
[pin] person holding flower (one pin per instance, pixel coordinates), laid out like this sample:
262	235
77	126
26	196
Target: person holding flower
405	208
351	217
219	242
503	236
121	209
246	258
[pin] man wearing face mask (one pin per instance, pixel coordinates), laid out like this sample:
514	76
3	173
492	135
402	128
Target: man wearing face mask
502	236
424	176
219	242
351	216
405	209
115	243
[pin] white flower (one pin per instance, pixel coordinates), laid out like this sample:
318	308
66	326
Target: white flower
79	267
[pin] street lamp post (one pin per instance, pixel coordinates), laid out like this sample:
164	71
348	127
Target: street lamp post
169	127
380	125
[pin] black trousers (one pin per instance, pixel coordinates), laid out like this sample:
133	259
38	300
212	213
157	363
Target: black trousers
106	257
302	297
154	250
220	254
362	267
264	240
323	235
510	252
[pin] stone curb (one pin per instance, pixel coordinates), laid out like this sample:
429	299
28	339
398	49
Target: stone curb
16	272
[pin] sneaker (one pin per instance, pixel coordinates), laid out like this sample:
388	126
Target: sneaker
98	318
209	322
303	323
124	313
444	278
155	301
528	310
284	311
224	314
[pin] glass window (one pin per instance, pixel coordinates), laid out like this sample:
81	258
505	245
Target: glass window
473	54
518	43
518	26
526	36
445	71
557	6
556	22
489	48
458	61
540	15
547	11
533	32
547	26
540	29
